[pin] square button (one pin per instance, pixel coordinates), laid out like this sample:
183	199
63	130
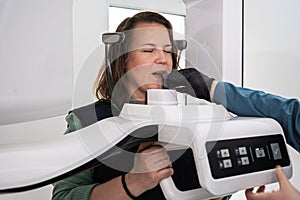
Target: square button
276	151
227	163
225	153
245	160
242	151
260	152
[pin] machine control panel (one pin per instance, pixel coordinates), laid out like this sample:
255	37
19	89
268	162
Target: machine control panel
246	155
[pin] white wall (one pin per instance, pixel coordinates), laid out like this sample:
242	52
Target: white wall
36	63
214	38
35	59
90	20
272	53
204	35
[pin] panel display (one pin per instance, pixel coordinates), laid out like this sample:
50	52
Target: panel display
246	155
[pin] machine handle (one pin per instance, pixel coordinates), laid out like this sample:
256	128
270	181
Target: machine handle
171	192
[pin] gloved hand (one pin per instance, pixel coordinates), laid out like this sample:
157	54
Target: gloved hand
190	81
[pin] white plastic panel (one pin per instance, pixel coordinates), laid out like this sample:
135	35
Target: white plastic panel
35	59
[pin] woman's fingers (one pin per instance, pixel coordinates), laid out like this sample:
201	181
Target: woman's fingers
261	189
151	158
165	173
151	165
144	146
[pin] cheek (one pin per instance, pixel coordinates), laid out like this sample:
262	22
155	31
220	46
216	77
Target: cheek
170	62
133	60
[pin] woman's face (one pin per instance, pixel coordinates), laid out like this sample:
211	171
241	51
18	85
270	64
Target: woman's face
150	52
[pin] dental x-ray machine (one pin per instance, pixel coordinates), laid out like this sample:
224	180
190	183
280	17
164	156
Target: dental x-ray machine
230	153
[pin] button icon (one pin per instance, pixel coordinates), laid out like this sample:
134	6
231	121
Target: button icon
225	153
245	160
227	163
276	151
260	152
242	151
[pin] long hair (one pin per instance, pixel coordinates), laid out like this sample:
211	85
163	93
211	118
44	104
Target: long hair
118	54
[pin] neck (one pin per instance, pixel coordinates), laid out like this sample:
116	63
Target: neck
139	96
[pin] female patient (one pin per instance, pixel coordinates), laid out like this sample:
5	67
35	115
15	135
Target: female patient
147	51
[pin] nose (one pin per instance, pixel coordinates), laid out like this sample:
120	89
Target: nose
161	57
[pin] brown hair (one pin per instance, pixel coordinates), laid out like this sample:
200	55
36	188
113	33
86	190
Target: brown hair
119	59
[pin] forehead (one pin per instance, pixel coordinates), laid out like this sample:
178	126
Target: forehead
150	33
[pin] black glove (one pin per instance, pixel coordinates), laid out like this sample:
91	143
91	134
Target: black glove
190	81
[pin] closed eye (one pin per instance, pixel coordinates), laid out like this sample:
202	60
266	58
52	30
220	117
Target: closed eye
148	50
168	51
152	50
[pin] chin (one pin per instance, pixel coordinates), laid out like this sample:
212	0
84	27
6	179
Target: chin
154	86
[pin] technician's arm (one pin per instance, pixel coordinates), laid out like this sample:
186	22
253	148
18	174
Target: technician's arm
247	102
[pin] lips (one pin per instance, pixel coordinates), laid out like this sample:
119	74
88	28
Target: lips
162	74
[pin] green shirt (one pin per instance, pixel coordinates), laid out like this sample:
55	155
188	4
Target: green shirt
78	186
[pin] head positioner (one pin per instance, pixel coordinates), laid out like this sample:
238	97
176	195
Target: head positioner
110	39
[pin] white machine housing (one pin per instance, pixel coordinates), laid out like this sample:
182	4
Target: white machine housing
234	129
33	165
